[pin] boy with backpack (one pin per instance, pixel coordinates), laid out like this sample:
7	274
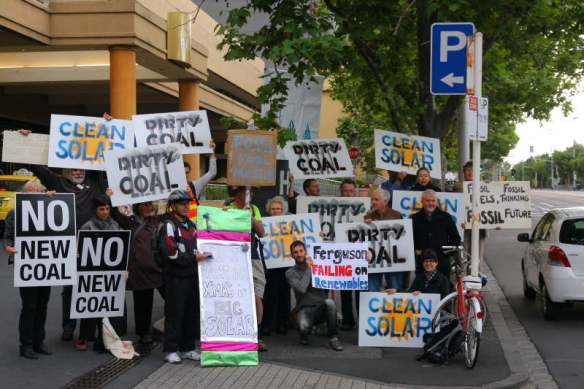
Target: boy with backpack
179	257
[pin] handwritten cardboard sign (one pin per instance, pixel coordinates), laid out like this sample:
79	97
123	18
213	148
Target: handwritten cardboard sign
395	320
503	204
33	148
44	240
410	202
281	231
319	158
391	243
79	142
189	128
251	157
227	296
334	211
100	287
407	153
145	174
340	266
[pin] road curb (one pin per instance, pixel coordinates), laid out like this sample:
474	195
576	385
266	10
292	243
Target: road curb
521	354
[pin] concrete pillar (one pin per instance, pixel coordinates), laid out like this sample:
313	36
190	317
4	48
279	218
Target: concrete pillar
188	100
122	82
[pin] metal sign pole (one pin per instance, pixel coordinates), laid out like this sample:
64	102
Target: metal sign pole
476	158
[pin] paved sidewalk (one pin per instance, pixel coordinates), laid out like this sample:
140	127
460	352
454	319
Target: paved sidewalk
502	363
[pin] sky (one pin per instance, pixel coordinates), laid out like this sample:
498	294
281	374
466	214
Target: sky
556	134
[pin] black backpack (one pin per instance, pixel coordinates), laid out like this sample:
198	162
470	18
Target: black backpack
157	253
444	344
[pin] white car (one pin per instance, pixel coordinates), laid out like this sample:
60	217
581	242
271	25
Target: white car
553	261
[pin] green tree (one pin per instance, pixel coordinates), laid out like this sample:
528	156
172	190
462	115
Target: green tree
378	54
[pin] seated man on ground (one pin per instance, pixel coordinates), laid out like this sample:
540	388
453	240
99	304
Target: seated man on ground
312	305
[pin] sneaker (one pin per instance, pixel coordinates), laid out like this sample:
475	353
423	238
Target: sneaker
335	344
173	358
81	345
262	345
193	354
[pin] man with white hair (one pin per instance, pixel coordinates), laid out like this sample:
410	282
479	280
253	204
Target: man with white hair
434	228
380	210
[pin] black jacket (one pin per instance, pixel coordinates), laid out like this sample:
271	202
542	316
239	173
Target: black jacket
438	284
9	233
95	183
439	231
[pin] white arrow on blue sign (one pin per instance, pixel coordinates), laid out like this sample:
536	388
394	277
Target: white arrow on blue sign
448	53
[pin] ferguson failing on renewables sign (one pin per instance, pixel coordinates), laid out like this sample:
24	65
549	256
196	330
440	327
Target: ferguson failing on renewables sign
44	239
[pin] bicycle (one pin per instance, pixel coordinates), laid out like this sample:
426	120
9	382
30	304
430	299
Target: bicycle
467	303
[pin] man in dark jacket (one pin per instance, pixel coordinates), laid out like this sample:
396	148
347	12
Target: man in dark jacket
434	228
179	270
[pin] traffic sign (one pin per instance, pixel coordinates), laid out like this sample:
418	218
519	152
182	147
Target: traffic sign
476	117
448	58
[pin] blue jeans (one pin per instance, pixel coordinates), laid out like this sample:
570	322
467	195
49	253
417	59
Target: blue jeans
394	280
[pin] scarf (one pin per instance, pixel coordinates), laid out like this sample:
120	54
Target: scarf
429	277
104	225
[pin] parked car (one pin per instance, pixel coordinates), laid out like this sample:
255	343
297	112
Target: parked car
10	184
553	261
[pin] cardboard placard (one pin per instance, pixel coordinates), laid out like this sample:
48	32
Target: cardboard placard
409	202
502	204
145	174
227	294
100	286
79	142
334	211
189	128
251	157
319	158
340	266
395	320
44	240
281	231
407	153
32	149
391	243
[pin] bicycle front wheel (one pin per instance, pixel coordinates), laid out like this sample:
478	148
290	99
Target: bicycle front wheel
472	338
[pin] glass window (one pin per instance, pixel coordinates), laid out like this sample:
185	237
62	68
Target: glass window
12	185
572	232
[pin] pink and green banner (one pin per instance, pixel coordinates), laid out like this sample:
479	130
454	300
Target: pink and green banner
228	314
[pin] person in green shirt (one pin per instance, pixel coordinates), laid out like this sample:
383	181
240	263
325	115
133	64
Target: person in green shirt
238	200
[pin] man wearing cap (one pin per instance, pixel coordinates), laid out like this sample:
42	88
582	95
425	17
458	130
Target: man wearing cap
180	273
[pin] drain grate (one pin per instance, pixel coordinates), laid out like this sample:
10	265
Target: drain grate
101	375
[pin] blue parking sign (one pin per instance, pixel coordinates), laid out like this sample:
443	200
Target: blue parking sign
448	58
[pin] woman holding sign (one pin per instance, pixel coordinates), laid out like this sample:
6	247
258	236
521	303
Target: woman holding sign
424	182
33	315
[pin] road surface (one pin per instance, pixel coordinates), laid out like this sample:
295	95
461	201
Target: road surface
560	342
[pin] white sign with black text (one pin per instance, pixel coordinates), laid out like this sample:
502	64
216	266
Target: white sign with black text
190	129
391	243
100	286
319	158
44	239
145	174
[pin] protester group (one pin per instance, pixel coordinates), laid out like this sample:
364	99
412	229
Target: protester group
162	255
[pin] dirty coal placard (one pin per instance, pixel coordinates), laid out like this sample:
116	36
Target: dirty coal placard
190	129
334	211
44	239
145	174
502	204
100	287
391	243
320	158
